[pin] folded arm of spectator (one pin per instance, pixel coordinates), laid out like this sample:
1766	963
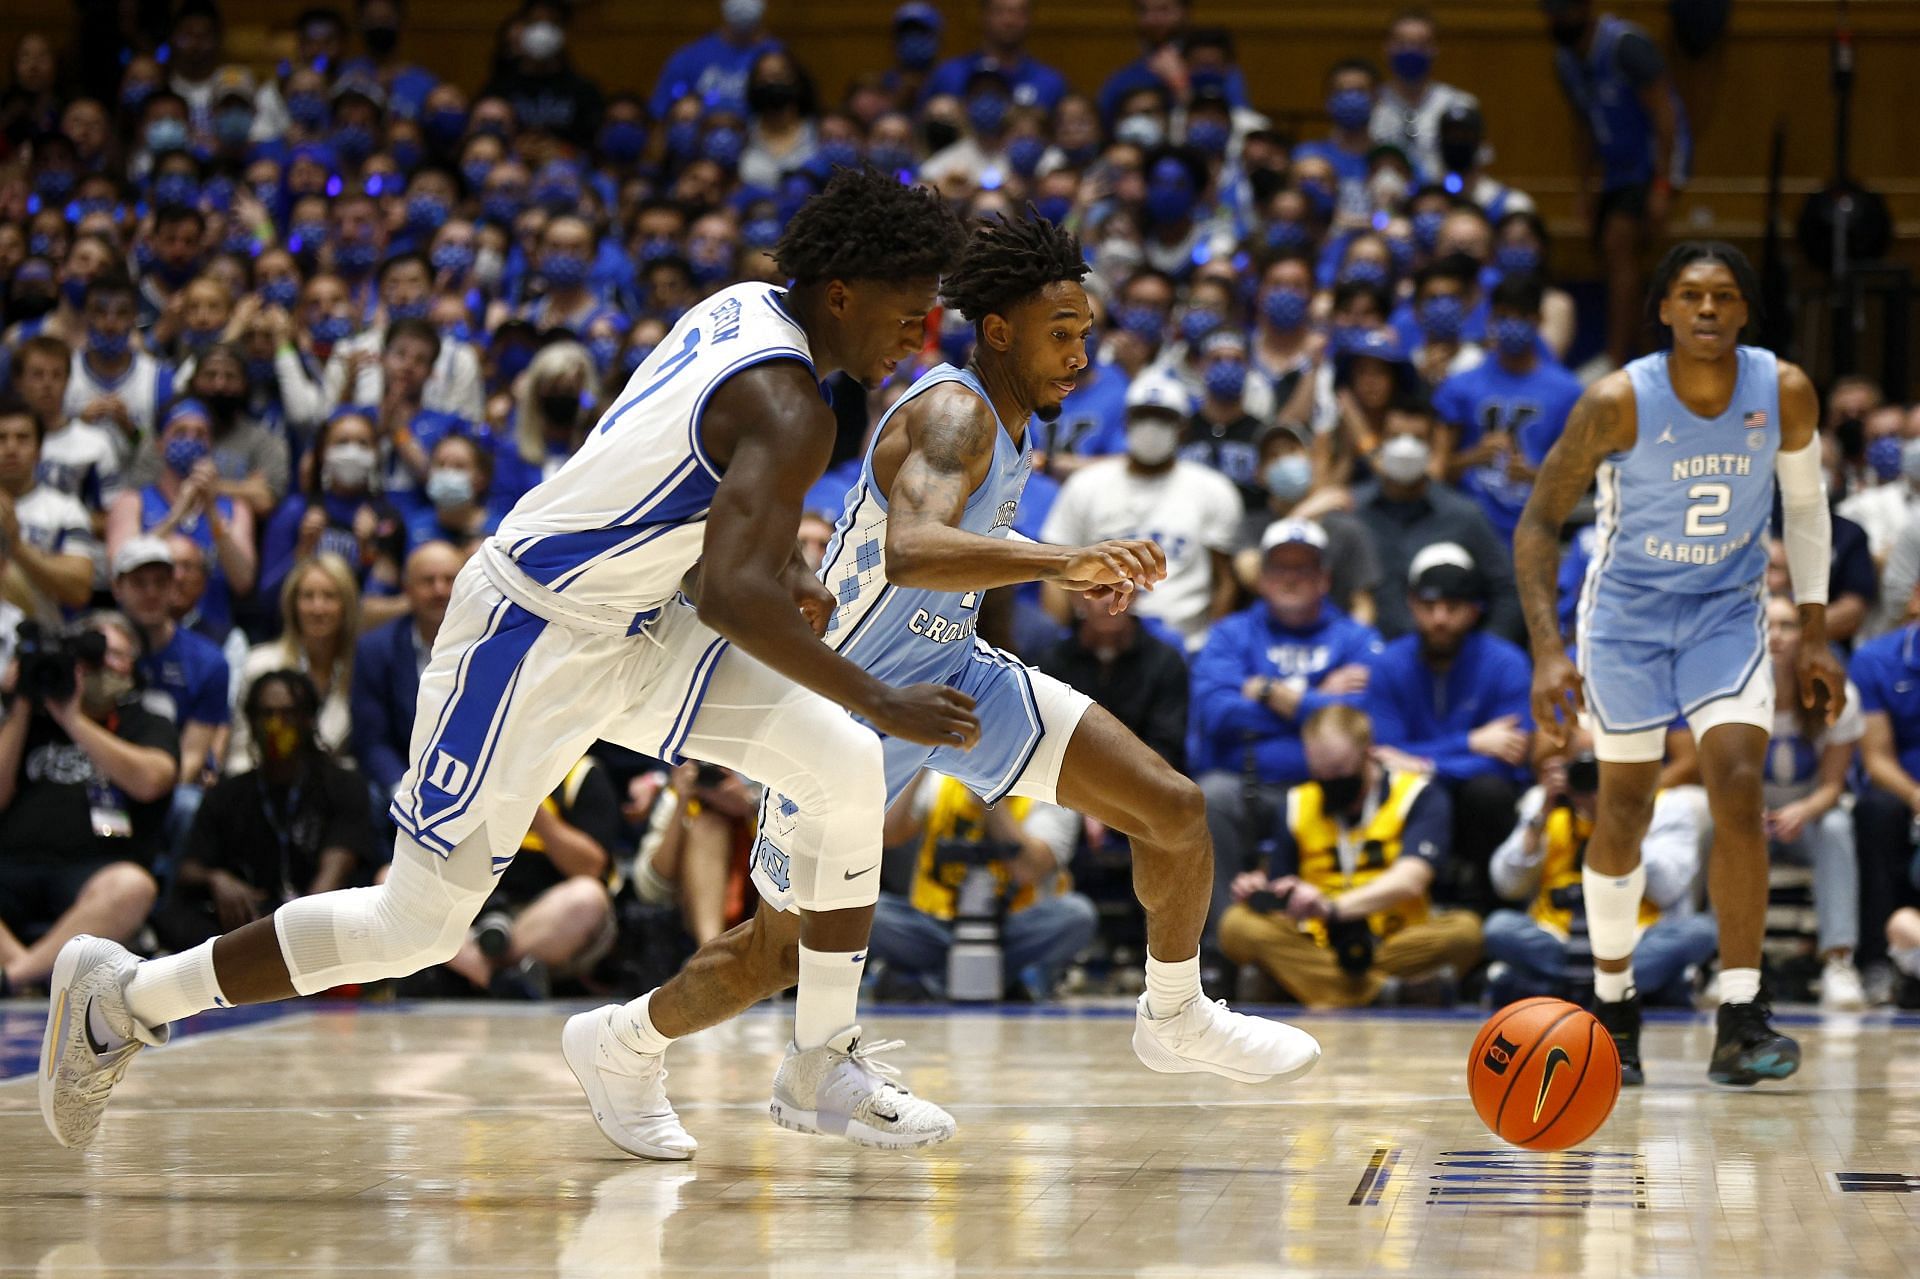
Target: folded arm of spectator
1515	868
1671	851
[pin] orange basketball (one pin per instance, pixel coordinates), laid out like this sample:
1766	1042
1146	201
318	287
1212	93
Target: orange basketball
1543	1074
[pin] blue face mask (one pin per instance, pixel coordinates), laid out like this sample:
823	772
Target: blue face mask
1517	259
426	212
1883	455
622	141
493	128
261	373
198	340
176	191
1348	337
167	134
354	142
1285	309
683	138
355	258
556	196
307	237
135	96
1366	271
916	48
1210	136
239	241
80	210
839	154
283	292
110	346
761	233
1319	196
1350	108
40	245
1288	235
654	248
635	356
1054	208
329	329
501	207
1144	322
890	158
1426	229
987	112
308	110
1410	64
1402	248
231	125
176	274
414	310
182	454
1024	153
74	291
602	351
475	172
407	155
1169	203
1288	478
1197	323
53	186
1226	380
512	362
1512	337
723	146
454	259
563	270
444	126
1442	318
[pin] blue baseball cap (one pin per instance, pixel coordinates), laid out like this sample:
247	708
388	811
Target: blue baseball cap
918	14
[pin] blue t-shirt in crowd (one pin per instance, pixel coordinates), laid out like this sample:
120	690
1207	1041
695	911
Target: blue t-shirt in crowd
1431	717
1092	421
1530	407
1225	725
193	674
712	67
1887	673
1035	84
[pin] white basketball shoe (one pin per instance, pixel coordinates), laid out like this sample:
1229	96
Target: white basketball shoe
77	1068
1208	1036
627	1090
840	1090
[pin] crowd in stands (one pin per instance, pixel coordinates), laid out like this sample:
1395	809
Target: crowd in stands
283	344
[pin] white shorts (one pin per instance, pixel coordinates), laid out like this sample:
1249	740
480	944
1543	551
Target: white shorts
511	700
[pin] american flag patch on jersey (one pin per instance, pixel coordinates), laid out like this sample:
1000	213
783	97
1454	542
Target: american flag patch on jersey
1755	419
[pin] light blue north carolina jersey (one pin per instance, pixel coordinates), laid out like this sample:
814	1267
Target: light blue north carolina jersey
1685	510
619	525
903	635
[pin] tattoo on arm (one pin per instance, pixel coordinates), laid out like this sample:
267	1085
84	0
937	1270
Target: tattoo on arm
937	475
1593	431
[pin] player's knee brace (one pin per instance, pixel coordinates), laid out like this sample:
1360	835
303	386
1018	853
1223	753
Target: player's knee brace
412	921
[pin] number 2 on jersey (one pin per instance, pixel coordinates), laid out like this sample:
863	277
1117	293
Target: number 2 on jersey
1709	502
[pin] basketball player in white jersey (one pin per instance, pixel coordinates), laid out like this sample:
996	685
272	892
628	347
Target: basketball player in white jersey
568	627
928	529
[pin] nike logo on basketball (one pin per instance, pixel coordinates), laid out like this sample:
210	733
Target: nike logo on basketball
855	874
1556	1058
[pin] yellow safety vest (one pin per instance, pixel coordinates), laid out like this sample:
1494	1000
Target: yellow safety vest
1368	850
1563	837
958	814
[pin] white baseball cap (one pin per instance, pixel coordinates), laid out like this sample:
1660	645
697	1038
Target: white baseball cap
138	552
1294	533
1163	391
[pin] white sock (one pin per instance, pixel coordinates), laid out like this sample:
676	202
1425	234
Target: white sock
1171	985
1739	985
1613	916
633	1026
164	990
829	997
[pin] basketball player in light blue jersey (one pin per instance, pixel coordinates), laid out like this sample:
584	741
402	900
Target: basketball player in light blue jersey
926	531
569	626
1686	446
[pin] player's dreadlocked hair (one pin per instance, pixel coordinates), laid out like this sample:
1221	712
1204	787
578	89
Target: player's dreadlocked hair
1008	260
1685	254
866	226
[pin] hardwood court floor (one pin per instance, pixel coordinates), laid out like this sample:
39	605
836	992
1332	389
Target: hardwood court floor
450	1140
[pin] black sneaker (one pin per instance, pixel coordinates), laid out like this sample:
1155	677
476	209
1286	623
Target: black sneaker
1749	1049
1621	1019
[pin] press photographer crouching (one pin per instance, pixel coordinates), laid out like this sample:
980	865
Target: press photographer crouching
86	774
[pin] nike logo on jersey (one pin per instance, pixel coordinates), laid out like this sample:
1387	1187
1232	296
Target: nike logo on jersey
1556	1058
855	874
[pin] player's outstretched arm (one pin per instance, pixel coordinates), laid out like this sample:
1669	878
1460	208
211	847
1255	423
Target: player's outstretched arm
1602	422
950	441
1807	531
771	435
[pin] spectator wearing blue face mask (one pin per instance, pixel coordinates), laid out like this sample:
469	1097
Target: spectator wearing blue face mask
1351	87
714	68
184	498
1183	226
1411	101
1287	350
1162	27
1444	294
354	373
113	385
1004	25
563	273
1221	433
1520	248
981	152
1501	417
1285	459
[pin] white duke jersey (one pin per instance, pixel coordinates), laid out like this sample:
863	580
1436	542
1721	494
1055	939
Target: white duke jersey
145	388
618	526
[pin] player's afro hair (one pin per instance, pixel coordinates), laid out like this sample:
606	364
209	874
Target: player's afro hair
1007	261
866	226
1685	254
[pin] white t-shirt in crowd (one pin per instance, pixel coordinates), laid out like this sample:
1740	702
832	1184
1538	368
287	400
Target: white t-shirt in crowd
1793	762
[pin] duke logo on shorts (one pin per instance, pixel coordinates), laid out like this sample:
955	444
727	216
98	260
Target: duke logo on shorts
1672	617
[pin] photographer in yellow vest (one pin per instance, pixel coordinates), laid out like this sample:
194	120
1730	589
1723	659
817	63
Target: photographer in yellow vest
1342	913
